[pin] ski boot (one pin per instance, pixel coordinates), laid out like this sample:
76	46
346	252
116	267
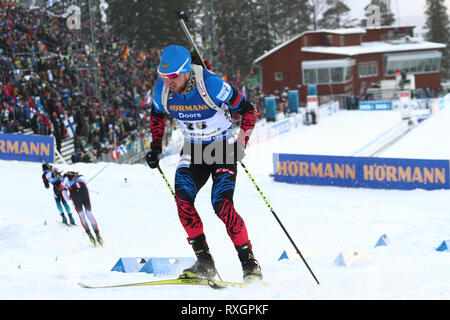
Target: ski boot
72	220
204	267
250	267
99	239
91	237
64	219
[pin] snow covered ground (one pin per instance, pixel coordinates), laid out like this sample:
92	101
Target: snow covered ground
42	259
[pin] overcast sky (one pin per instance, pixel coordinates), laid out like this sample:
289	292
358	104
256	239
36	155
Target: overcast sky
407	12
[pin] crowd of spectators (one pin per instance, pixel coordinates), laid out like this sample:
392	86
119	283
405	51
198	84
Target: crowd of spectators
46	77
50	75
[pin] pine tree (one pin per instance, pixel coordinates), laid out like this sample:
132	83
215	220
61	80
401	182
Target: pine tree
317	8
288	18
437	28
150	24
336	16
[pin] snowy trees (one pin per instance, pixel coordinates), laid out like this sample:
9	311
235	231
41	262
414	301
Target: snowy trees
336	16
437	28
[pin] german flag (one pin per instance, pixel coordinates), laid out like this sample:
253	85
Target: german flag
126	52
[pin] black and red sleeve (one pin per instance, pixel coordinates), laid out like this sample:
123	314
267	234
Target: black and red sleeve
157	123
239	103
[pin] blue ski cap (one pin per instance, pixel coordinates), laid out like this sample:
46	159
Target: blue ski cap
175	60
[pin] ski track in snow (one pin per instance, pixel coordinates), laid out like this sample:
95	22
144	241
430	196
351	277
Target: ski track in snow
43	259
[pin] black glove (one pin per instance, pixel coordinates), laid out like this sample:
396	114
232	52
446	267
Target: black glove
152	157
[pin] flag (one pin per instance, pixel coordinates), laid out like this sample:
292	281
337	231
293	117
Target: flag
69	124
94	127
122	150
147	98
49	3
135	146
111	134
115	154
32	111
147	140
127	143
126	52
39	105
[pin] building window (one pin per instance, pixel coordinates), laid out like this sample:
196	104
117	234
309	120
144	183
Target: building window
337	75
416	62
329	39
327	71
310	76
278	76
368	69
348	73
323	75
342	40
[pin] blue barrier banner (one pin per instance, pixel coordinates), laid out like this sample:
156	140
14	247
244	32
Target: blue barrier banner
271	108
24	147
362	172
375	105
312	90
280	128
293	101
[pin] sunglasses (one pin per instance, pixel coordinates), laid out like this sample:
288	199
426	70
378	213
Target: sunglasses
173	75
169	75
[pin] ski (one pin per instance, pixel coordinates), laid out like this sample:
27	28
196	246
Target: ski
215	284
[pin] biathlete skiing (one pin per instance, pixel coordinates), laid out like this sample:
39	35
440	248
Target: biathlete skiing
76	185
52	175
201	102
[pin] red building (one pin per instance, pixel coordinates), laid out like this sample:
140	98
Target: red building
344	62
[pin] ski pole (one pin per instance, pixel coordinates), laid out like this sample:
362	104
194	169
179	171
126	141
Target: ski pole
98	172
165	180
278	220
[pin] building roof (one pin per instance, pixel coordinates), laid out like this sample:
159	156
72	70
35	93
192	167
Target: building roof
342	31
375	47
334	31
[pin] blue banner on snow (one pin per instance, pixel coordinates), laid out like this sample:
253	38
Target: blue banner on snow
375	105
23	147
362	172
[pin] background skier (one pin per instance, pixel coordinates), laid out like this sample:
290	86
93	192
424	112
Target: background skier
52	175
76	185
